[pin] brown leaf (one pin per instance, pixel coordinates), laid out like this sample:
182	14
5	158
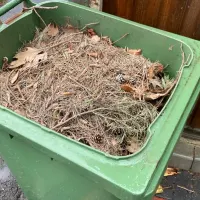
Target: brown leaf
95	39
159	190
68	93
135	51
127	88
151	73
28	56
171	172
154	96
42	56
154	70
91	32
159	67
93	54
156	83
52	30
15	77
158	198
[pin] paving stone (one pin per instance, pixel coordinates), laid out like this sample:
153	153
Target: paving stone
182	157
196	163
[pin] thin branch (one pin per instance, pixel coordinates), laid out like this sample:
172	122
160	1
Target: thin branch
39	17
91	24
78	115
40	7
184	188
120	38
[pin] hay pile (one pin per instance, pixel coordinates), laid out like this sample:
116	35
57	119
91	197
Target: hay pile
83	87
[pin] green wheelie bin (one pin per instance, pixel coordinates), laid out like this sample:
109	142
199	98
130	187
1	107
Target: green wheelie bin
49	166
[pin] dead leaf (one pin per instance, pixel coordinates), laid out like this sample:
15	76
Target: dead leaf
91	32
171	172
151	73
154	70
155	83
159	67
158	198
28	56
93	54
52	30
135	51
15	77
159	190
42	56
133	145
127	88
154	96
95	39
67	93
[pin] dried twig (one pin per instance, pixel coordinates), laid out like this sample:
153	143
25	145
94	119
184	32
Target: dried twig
90	24
40	7
39	16
184	188
76	116
120	38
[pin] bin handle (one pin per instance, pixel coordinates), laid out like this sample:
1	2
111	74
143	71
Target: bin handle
8	6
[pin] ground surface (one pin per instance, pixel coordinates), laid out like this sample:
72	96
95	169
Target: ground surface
184	186
9	190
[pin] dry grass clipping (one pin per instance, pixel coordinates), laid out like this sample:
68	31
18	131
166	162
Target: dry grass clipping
75	92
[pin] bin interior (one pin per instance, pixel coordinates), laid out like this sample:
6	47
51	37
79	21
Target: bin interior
156	47
130	177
